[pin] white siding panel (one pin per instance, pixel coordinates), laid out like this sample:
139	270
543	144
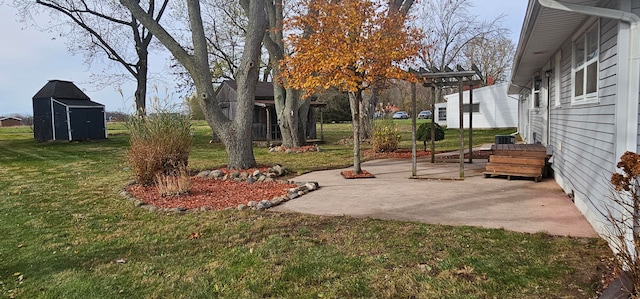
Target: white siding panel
583	135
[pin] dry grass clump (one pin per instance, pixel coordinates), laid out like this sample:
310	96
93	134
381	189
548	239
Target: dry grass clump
174	184
159	144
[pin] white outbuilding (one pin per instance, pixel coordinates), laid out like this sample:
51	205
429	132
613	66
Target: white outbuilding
492	108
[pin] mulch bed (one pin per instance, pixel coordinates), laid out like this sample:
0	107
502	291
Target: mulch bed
349	174
213	194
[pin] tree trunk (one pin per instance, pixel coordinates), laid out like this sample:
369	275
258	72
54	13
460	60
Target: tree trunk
355	102
288	102
142	71
303	116
367	120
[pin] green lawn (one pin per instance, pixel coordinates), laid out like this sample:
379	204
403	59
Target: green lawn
66	233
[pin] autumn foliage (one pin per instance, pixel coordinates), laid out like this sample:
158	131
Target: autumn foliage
349	45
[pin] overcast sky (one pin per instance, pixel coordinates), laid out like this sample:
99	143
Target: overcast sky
29	58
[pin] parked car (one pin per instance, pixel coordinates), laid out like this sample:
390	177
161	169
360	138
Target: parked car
424	114
400	115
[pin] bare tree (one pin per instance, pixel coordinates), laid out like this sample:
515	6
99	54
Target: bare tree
450	28
235	134
492	54
95	27
225	26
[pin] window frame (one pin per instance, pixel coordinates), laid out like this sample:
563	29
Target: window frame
442	113
585	67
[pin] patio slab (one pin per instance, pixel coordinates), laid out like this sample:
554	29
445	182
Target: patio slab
520	205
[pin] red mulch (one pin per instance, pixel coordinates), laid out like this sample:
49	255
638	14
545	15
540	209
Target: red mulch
213	194
349	174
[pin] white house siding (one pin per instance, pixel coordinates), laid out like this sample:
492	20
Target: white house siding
582	136
496	109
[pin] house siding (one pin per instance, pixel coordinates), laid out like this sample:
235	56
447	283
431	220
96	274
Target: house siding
583	135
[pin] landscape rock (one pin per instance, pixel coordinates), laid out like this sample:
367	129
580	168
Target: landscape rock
251	179
203	174
216	174
263	204
311	186
256	173
242	207
252	204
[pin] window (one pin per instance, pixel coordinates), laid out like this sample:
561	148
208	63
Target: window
585	66
442	113
465	108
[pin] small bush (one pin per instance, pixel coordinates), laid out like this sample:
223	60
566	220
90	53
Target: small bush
424	133
385	137
160	143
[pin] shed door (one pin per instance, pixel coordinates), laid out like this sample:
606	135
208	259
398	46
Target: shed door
87	123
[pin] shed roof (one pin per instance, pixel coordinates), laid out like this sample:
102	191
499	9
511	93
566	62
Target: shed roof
264	90
59	89
75	103
10	117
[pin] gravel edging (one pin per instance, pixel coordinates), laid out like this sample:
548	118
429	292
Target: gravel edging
256	177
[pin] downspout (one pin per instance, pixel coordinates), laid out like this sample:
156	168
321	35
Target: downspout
627	134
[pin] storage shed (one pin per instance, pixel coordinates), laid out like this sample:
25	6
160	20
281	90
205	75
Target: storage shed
10	121
265	122
61	111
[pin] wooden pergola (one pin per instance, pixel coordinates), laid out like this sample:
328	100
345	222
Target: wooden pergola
447	77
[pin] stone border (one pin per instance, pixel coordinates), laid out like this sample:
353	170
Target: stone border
256	176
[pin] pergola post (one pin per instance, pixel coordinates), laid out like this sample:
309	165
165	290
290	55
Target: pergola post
414	155
470	122
461	119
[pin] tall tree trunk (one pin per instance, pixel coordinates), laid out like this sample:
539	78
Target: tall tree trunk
236	134
142	71
355	102
287	102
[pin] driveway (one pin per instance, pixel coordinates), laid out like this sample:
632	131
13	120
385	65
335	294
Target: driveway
517	205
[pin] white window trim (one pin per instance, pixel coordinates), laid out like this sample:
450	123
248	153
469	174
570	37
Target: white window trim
593	97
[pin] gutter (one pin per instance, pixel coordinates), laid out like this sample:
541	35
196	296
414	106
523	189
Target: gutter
627	112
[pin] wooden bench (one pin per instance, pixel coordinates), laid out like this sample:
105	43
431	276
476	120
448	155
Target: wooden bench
521	160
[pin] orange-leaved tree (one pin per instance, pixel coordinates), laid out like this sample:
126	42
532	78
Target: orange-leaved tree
350	45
